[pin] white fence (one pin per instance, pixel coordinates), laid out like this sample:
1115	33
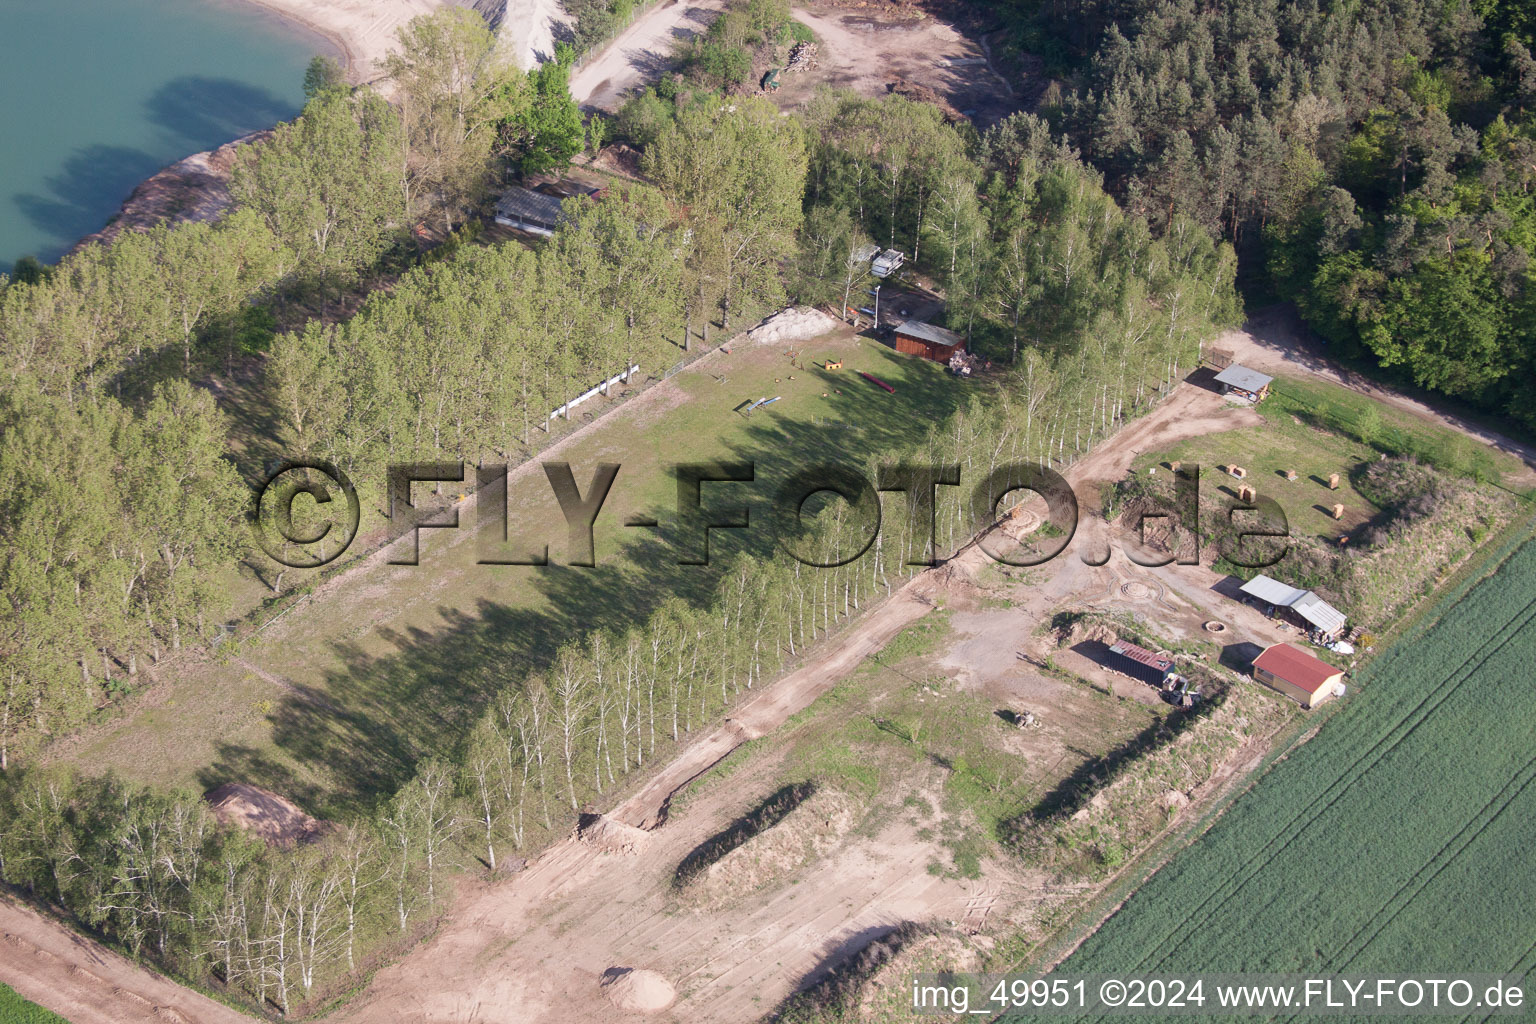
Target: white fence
565	410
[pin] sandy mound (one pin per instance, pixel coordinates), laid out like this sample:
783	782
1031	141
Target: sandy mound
805	833
637	989
873	982
611	836
793	324
887	966
275	819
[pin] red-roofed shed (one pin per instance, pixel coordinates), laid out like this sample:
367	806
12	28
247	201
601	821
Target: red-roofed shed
1297	674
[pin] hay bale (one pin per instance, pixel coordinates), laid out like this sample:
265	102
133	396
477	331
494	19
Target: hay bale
1338	511
1333	481
1239	472
1290	475
637	990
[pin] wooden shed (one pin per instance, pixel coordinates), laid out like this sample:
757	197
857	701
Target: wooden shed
916	338
1297	674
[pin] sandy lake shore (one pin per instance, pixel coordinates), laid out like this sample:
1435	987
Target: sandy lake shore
364	30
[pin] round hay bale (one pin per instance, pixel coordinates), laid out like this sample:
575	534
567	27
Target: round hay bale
637	990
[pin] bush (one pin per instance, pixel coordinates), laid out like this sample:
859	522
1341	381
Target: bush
718	64
797	32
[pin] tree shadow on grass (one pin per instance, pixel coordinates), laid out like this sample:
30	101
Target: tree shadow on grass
344	747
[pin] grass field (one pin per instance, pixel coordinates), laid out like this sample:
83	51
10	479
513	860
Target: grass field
16	1010
1395	841
336	704
1317	429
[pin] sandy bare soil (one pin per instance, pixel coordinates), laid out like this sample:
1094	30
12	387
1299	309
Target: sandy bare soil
89	984
528	28
867	54
872	55
640	53
363	29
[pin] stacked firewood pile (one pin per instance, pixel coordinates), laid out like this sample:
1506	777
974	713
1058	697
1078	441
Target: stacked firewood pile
802	57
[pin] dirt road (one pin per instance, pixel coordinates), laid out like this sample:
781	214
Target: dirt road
641	52
1276	341
89	984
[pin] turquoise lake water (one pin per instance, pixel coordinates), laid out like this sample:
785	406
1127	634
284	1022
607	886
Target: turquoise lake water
97	95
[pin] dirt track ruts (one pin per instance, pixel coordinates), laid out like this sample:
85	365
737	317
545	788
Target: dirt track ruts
89	984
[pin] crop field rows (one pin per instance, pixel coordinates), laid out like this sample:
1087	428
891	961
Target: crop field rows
1414	814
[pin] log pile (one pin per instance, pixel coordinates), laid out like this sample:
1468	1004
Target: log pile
802	57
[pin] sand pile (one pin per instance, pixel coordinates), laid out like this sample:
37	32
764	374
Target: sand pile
274	818
611	836
637	990
793	324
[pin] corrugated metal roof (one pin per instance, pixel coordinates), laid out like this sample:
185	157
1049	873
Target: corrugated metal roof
1296	666
929	333
1140	654
1239	376
1318	612
1303	602
1272	591
528	205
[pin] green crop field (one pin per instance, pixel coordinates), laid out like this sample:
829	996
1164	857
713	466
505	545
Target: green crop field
16	1010
1396	840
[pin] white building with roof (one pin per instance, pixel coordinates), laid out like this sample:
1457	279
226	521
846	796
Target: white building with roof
1312	611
